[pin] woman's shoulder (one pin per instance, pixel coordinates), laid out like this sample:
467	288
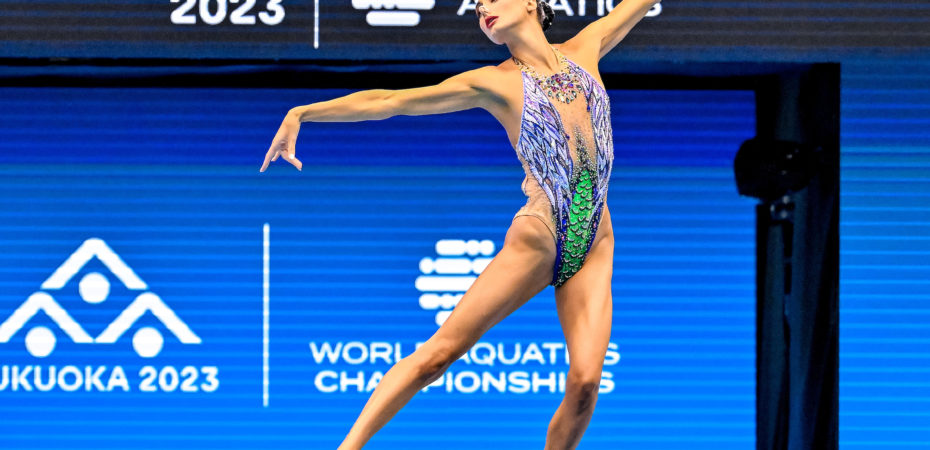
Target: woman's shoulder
497	77
583	56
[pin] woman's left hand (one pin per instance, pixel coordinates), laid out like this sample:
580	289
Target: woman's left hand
284	142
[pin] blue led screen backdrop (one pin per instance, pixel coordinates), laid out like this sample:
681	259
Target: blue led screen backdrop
135	265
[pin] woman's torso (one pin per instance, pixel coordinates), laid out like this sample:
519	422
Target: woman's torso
508	78
562	138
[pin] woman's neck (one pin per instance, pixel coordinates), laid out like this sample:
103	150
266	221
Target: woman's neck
532	48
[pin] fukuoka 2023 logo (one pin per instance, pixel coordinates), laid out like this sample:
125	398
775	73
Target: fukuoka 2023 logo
95	288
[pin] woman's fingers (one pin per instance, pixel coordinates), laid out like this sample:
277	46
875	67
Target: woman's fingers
294	161
288	155
268	159
284	143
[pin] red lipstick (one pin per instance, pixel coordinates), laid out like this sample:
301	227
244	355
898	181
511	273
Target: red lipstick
489	21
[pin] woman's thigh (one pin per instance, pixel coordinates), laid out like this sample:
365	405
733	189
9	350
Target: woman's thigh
520	270
585	307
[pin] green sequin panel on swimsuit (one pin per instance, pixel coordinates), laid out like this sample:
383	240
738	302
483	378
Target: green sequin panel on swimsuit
579	228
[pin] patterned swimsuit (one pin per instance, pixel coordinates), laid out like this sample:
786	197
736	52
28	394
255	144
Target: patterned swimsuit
566	176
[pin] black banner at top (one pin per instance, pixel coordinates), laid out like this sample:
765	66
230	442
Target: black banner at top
448	29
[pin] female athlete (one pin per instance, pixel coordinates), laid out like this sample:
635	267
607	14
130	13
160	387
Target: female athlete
551	101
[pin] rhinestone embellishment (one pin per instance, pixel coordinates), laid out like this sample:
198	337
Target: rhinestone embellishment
562	85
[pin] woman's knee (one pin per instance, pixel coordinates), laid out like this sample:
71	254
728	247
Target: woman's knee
584	386
433	361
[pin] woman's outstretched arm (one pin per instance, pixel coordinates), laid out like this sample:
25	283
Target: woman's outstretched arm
466	90
605	33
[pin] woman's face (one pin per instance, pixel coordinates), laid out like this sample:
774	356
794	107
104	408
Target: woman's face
495	16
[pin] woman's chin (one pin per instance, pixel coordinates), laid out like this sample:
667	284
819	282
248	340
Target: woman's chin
495	39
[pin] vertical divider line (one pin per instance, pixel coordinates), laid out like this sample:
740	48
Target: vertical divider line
316	24
265	300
